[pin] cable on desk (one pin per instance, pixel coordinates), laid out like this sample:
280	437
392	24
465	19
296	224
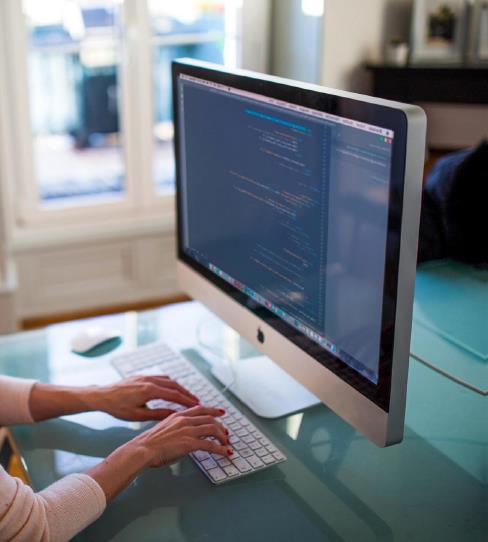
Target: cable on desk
450	376
219	355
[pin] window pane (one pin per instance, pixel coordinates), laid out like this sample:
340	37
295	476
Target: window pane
73	67
200	29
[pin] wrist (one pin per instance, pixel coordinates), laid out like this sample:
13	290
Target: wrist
48	401
122	466
142	451
136	454
92	398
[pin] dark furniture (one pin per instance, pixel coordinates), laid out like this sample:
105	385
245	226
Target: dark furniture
431	83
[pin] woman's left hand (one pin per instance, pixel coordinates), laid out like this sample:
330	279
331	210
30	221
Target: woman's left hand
127	399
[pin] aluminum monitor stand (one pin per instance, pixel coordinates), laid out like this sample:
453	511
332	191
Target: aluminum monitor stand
264	387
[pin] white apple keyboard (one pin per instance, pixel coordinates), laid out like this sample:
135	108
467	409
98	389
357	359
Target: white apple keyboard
253	450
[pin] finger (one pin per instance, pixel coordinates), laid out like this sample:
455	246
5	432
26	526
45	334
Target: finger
209	430
156	392
156	413
167	382
195	421
201	410
212	447
202	420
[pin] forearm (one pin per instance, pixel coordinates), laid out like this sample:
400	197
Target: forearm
57	513
48	401
120	468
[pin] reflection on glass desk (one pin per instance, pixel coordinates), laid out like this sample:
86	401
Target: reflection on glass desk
336	485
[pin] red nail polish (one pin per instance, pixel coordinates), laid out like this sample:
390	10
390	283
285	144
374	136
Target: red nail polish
221	410
230	452
226	431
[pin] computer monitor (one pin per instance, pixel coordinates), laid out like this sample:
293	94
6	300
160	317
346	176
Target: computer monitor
297	216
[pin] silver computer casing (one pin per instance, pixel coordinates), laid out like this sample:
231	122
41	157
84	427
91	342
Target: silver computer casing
383	428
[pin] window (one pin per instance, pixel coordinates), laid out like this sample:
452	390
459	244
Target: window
73	65
202	30
88	99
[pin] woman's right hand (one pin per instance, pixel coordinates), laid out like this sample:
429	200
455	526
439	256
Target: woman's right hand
177	435
185	432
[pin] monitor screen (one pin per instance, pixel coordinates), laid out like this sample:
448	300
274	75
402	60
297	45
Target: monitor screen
289	205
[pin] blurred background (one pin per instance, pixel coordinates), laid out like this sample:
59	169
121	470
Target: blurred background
86	155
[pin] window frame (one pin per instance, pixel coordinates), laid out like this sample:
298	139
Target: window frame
29	220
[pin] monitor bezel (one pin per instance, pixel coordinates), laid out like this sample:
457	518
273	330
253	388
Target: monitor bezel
371	113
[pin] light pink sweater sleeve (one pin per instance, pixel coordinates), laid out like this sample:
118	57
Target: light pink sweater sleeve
14	400
58	512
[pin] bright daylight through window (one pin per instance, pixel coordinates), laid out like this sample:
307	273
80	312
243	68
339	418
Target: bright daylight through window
76	55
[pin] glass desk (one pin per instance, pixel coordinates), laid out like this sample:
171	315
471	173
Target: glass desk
335	485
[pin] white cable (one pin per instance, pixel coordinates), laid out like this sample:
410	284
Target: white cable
450	376
219	355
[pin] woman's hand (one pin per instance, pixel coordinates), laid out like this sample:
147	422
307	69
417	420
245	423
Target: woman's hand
127	399
170	439
185	432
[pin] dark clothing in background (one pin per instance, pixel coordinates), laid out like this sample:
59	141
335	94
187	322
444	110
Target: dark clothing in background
454	215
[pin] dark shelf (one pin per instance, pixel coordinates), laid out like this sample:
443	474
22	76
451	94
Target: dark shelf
449	83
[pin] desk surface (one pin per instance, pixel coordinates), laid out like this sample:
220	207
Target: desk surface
335	485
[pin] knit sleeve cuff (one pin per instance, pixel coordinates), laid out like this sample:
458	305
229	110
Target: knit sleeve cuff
14	400
71	504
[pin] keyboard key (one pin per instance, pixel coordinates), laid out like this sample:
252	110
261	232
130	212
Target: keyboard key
261	451
247	439
246	452
201	456
241	464
217	474
278	455
254	445
271	448
241	432
267	459
231	470
255	461
233	439
239	445
208	464
223	462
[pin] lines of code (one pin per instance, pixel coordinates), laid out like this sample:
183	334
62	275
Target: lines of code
294	208
269	195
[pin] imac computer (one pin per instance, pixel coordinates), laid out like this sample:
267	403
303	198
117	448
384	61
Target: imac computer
297	215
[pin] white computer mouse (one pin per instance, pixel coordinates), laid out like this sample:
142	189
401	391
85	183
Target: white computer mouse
90	337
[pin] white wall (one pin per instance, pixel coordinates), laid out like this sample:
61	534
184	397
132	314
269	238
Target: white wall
355	32
8	281
296	42
8	278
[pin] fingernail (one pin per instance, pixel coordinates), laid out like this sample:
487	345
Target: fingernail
221	410
230	452
226	431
